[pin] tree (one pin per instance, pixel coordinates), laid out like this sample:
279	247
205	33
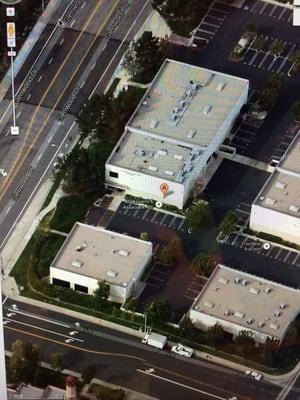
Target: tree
295	56
57	361
228	225
158	312
88	374
23	362
296	110
259	43
203	264
244	343
270	93
215	335
131	303
169	253
144	236
144	57
197	215
102	290
276	47
187	328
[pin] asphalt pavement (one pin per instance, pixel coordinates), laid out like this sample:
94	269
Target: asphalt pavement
125	361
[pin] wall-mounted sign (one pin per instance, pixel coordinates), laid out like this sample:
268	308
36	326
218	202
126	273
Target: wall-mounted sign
164	188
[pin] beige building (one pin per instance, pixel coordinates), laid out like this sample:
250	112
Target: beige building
175	132
92	254
241	301
276	209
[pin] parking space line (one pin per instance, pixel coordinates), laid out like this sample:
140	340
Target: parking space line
290	17
203	30
126	210
272	12
253	58
192	290
145	214
269	251
263	8
181	223
163	218
213	25
272	63
189	297
252	9
242	139
281	14
278	253
136	211
154	216
287	256
156	278
295	259
153	285
217	18
171	223
263	60
235	239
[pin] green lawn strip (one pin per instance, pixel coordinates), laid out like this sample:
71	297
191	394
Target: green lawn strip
51	193
106	393
113	86
69	210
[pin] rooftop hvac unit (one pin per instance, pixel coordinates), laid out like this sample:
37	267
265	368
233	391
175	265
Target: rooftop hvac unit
174	117
191	133
81	247
267	290
261	198
249	321
254	290
178	157
282	306
244	282
221	86
111	273
227	313
77	264
140	153
270	202
274	326
162	152
267	318
238	314
151	168
277	313
293	208
261	324
237	280
123	252
182	103
188	94
208	304
224	280
176	110
207	109
280	185
168	172
154	123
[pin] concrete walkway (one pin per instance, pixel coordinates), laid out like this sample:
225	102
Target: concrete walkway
249	161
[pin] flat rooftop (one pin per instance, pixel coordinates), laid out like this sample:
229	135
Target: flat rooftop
188	103
246	300
101	254
153	156
282	190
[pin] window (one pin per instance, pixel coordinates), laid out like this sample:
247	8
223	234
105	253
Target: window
60	282
113	174
80	288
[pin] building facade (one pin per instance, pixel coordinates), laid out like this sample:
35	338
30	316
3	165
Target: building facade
175	132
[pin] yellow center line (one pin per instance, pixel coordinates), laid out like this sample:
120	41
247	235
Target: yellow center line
17	160
102	353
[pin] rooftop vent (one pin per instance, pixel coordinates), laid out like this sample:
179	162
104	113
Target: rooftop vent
280	185
207	109
261	198
267	290
282	306
254	290
293	208
191	133
249	321
208	304
277	313
261	324
151	168
227	313
237	280
81	247
238	314
244	282
221	86
168	172
270	202
154	123
112	274
224	280
178	157
162	152
274	326
77	264
123	252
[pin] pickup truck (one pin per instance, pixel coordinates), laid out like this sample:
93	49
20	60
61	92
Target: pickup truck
155	340
182	350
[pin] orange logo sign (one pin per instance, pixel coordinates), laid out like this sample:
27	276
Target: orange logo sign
164	188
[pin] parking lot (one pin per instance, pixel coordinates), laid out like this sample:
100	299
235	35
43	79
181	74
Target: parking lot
260	59
212	22
274	11
277	253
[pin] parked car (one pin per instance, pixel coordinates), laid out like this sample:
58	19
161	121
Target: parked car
256	375
182	350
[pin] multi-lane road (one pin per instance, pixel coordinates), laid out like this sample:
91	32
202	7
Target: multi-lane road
123	360
75	56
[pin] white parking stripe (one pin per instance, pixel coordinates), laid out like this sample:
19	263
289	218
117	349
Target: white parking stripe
278	254
253	58
146	213
235	239
203	30
272	12
163	218
154	216
217	18
263	8
287	256
180	225
290	17
263	60
252	9
213	25
269	251
171	223
295	259
136	211
281	14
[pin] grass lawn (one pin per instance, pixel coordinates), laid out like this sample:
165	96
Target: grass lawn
69	210
106	393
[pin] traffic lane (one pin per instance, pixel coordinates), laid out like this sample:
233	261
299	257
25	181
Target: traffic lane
104	339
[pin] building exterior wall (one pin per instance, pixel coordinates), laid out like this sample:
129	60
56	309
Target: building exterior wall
146	186
275	223
204	321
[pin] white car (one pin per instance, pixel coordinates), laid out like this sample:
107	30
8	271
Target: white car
15	307
248	372
182	350
69	340
11	314
72	333
256	375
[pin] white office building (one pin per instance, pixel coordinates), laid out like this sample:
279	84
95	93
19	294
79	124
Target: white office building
92	254
241	301
175	132
276	209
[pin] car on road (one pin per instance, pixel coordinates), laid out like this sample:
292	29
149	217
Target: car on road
69	340
72	333
257	376
15	307
182	350
11	314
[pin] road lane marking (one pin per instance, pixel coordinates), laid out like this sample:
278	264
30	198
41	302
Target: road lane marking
181	384
19	113
17	163
28	97
49	140
39	157
102	353
83	5
40	318
44	330
93	66
50	61
62	41
40	78
73	22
